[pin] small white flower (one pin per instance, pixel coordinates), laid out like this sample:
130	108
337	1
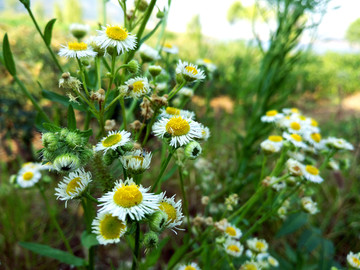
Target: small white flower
148	54
230	230
334	165
272	261
250	265
295	139
257	245
79	30
296	155
169	48
211	67
138	87
309	206
291	111
273	144
186	92
108	228
339	143
27	177
311	174
282	211
136	161
271	116
314	139
113	140
294	167
205	132
233	247
77	50
353	260
190	72
173	211
169	112
295	127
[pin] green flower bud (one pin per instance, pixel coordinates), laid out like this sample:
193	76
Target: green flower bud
73	139
160	14
128	146
151	240
85	62
79	30
179	78
48	155
63	133
193	150
108	75
158	221
85	155
155	70
142	5
66	162
12	179
50	141
133	66
109	157
26	3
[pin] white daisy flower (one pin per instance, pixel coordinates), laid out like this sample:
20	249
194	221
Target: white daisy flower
108	228
113	140
353	260
257	245
230	230
295	139
309	206
189	266
190	72
338	143
205	132
79	30
273	144
272	261
296	155
169	112
173	211
294	167
314	126
271	116
136	161
77	50
129	199
210	66
181	130
314	139
290	111
311	174
138	87
250	265
334	165
27	177
295	127
148	54
117	37
66	163
169	48
37	166
186	92
282	212
73	185
233	247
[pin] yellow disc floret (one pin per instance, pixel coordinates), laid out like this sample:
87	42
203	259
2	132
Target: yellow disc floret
73	184
294	110
189	267
314	123
111	227
296	137
191	70
128	196
28	176
77	46
259	245
295	126
117	33
168	45
177	126
230	231
169	210
312	170
271	113
316	137
172	111
275	138
356	261
233	248
111	140
207	61
138	86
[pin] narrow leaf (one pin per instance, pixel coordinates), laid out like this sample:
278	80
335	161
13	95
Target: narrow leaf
61	99
292	223
50	252
48	31
8	57
51	127
150	34
71	118
88	240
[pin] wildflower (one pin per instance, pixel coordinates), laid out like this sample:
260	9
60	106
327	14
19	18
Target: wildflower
110	125
272	261
186	92
295	139
181	130
136	125
66	162
50	141
257	245
72	98
205	200
117	37
36	166
28	177
151	240
271	116
189	266
209	221
113	140
77	50
148	54
273	144
146	109
169	112
99	95
309	206
108	228
229	229
155	70
133	66
136	162
193	150
205	132
333	164
172	209
250	265
338	143
296	155
291	111
353	260
210	66
129	199
157	221
314	139
68	82
295	127
79	30
282	211
169	48
294	167
233	247
189	72
311	174
73	185
138	87
231	201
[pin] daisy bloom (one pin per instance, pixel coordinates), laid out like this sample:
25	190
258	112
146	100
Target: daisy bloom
273	144
73	185
353	260
295	139
210	66
79	30
314	139
129	199
136	161
169	48
338	143
27	177
108	228
311	174
148	54
233	247
113	140
272	261
66	163
291	111
173	211
250	265
271	116
294	167
171	111
205	132
257	245
181	130
186	92
309	206
77	50
37	166
117	37
295	127
189	266
190	72
138	87
296	155
229	229
314	125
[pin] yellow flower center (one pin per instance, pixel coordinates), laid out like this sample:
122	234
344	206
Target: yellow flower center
303	118
316	137
191	70
272	261
28	176
275	138
168	45
356	261
312	170
73	184
294	110
295	126
169	210
172	111
259	245
141	159
207	61
249	267
271	113
177	126
111	140
116	32
296	137
230	231
314	123
77	46
138	86
128	196
111	227
233	248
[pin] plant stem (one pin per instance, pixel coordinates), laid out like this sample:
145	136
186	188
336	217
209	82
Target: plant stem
175	90
122	102
91	198
163	168
148	128
186	205
98	71
88	210
137	246
83	76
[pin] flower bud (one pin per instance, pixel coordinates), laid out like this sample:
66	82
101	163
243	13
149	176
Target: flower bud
128	146
85	62
193	150
133	66
109	157
160	14
50	141
85	155
151	240
79	30
63	133
155	70
158	221
179	78
48	155
66	162
142	5
73	139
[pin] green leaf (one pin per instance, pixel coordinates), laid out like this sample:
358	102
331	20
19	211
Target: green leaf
85	133
71	118
39	121
310	239
51	127
326	255
88	240
61	99
48	31
176	257
57	254
292	223
8	57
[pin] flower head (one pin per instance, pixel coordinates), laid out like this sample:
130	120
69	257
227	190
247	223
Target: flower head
117	37
273	144
189	72
138	87
113	140
77	50
271	116
27	177
173	211
169	48
136	161
148	54
295	139
229	229
353	260
257	245
233	247
312	174
79	30
169	112
108	228
309	206
189	266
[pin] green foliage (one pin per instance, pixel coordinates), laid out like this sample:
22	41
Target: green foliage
292	223
353	32
72	11
48	31
88	240
71	118
8	57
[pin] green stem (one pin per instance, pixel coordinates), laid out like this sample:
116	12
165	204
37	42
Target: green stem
122	102
176	90
263	166
137	247
98	71
87	120
186	206
113	62
91	198
83	76
162	170
113	101
88	210
149	126
54	221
